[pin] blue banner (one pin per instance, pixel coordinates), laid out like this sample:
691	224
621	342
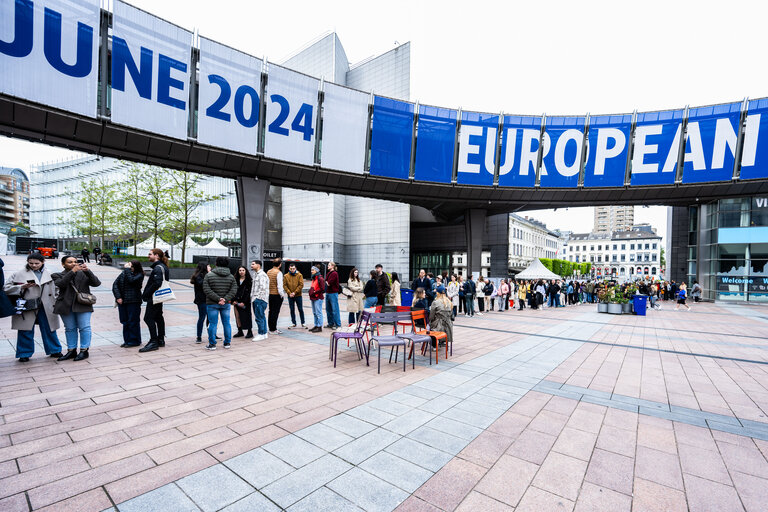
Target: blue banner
519	151
435	144
560	163
710	143
477	148
608	142
657	142
754	154
391	137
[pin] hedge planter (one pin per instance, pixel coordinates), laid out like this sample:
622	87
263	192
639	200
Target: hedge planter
626	308
614	309
602	307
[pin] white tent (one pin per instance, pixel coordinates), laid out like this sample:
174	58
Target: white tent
215	244
536	270
212	248
147	245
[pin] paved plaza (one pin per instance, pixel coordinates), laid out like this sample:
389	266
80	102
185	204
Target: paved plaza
561	409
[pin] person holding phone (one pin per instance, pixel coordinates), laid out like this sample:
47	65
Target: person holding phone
127	292
34	284
76	279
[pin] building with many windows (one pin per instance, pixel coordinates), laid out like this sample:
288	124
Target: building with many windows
613	218
529	239
14	197
624	255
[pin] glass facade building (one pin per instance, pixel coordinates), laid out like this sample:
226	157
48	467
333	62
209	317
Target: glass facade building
728	248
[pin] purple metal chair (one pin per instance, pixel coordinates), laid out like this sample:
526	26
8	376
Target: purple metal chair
394	342
357	335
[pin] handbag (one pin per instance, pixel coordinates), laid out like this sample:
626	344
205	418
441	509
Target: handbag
346	291
163	294
87	299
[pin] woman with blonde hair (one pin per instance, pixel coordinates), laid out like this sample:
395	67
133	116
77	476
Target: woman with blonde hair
441	314
355	295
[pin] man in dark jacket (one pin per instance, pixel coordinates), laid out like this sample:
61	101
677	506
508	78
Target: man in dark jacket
316	290
153	315
220	288
127	292
382	285
554	294
469	295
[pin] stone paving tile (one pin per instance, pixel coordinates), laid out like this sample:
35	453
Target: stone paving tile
508	480
425	456
168	497
258	467
296	485
595	498
294	450
535	500
322	499
399	472
704	495
214	488
368	491
254	501
365	446
451	484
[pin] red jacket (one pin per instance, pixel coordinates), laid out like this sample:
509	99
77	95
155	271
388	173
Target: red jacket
332	282
317	288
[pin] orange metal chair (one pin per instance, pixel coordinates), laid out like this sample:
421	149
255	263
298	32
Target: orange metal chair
420	315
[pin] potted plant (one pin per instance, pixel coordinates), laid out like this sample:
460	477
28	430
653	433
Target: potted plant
626	306
602	297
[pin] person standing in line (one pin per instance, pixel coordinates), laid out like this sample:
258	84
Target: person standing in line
452	292
316	291
127	292
34	282
469	296
422	281
293	285
276	294
153	315
462	302
202	311
682	294
696	291
355	298
332	289
394	293
220	288
259	298
480	295
504	294
77	278
490	291
371	290
85	253
242	303
382	285
522	294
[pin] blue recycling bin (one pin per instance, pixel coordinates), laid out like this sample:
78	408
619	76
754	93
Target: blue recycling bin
640	303
406	296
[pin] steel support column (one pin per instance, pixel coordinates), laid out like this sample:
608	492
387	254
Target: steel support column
252	196
474	226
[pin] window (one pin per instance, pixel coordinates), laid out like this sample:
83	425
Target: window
599	247
592	259
599	258
623	257
654	258
631	247
459	260
632	257
614	246
583	247
654	247
623	247
591	247
647	246
615	258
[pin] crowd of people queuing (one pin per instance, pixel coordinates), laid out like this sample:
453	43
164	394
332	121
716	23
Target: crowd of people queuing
36	296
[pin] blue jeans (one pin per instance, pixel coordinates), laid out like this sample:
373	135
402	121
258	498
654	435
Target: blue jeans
130	316
332	309
557	300
370	302
213	321
469	304
317	311
296	301
74	322
259	313
25	340
202	314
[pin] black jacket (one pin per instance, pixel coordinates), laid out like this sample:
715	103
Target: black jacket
425	283
382	284
370	289
469	288
243	293
199	292
155	281
127	286
219	284
65	301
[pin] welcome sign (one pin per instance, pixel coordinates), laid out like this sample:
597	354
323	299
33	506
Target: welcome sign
49	54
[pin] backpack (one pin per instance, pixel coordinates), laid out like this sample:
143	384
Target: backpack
681	294
488	289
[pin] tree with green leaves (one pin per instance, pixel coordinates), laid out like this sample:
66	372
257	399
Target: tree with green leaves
84	208
187	198
105	208
159	201
133	205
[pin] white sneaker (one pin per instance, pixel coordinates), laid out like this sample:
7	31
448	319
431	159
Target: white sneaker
259	337
303	326
479	314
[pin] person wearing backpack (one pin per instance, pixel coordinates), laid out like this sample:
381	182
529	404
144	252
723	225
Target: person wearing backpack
34	283
220	288
74	303
153	315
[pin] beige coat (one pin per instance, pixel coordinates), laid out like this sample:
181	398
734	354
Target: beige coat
395	294
357	299
45	289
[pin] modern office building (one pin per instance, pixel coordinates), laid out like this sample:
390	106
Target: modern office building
624	255
724	245
613	218
14	198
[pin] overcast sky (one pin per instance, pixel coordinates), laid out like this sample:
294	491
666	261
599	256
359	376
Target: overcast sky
554	57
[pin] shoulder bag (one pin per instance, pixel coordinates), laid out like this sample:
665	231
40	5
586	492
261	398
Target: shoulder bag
86	299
